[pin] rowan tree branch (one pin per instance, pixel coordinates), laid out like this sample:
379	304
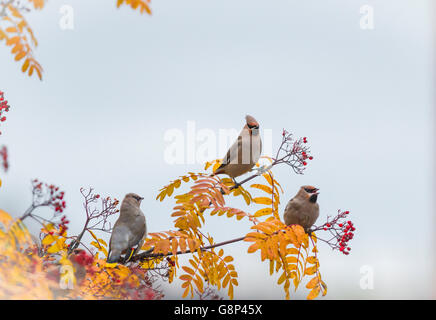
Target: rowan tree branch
147	254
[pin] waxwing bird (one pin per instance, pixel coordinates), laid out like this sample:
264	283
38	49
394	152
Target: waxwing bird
129	231
245	151
303	208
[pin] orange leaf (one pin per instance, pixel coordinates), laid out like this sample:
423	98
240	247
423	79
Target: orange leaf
314	293
263	200
25	65
312	283
263	188
188	270
263	212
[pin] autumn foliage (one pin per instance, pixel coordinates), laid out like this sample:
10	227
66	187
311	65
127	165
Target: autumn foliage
71	268
290	251
56	264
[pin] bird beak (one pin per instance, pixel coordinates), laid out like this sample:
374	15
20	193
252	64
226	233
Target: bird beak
316	191
141	198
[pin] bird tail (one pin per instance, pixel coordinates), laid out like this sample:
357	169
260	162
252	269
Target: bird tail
219	170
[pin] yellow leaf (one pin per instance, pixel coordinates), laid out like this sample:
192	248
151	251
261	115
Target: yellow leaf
268	178
25	65
263	212
11	30
271	267
263	188
230	292
185	277
282	278
38	71
93	235
313	293
262	200
177	183
102	242
291	259
185	293
254	247
48	239
312	260
13	40
170	190
192	245
247	197
228	259
110	265
182	244
199	283
312	283
311	270
17	48
54	248
188	270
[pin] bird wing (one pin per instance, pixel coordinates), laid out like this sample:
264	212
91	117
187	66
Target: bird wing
293	203
138	231
232	153
119	241
292	211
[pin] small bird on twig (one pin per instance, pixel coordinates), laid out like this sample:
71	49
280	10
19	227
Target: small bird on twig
129	231
245	151
303	208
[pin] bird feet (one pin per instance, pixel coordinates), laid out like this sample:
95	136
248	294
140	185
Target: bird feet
237	184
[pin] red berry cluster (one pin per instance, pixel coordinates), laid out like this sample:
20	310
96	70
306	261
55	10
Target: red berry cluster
342	231
4	158
304	153
4	107
63	225
82	258
48	195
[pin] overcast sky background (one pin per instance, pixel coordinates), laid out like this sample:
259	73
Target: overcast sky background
364	98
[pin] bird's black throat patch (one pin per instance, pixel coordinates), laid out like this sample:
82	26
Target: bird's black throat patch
313	198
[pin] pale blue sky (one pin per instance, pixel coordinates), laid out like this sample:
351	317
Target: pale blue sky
119	80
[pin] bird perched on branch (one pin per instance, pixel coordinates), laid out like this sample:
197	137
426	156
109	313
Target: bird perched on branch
245	151
129	231
303	208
